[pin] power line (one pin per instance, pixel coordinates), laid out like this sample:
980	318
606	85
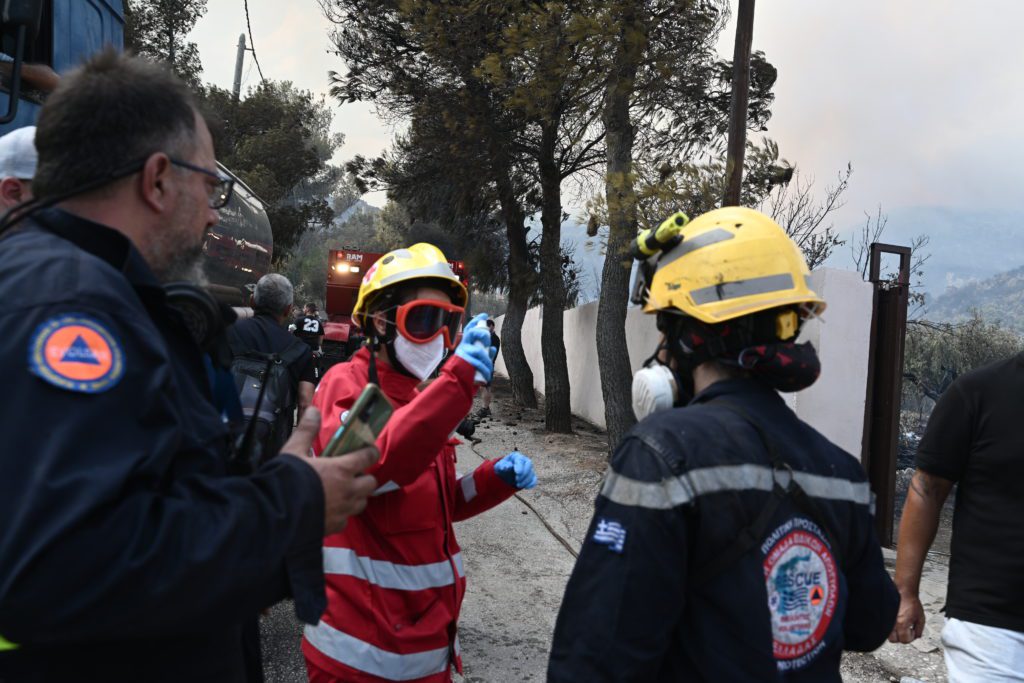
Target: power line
252	45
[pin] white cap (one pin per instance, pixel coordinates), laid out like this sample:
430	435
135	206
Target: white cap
18	157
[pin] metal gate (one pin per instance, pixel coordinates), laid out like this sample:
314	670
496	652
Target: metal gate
885	383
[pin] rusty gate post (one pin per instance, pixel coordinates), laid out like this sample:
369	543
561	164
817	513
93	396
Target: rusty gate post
885	383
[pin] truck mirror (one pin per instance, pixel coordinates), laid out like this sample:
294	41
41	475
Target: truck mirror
27	13
23	18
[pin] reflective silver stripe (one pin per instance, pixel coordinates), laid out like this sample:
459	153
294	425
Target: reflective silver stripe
406	577
732	290
699	242
433	270
669	493
468	485
360	655
386	488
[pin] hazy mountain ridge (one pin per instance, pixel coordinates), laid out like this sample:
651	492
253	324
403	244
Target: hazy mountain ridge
966	245
1000	297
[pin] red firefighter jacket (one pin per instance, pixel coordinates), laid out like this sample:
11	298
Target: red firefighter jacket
395	577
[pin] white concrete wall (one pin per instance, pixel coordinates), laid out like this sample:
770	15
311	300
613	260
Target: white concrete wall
834	405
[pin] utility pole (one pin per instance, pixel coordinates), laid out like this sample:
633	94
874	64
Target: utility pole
738	108
238	66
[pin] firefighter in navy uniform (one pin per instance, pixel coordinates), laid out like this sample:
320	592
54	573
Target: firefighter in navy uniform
730	540
128	553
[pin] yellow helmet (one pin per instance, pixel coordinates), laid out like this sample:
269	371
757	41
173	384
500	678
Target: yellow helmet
731	262
419	262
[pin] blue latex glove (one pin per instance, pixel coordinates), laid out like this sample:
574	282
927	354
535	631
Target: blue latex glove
515	469
474	347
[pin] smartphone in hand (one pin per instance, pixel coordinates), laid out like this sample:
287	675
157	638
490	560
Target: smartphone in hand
364	422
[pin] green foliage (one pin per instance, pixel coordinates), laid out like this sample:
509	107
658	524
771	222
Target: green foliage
938	353
159	29
278	141
306	266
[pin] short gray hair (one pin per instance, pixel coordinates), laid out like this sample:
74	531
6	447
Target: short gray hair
273	293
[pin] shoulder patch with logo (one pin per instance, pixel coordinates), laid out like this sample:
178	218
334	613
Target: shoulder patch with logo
803	586
76	353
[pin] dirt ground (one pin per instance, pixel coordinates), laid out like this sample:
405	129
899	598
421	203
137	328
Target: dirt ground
519	556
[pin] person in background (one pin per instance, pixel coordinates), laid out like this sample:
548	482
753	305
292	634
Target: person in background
18	159
486	392
310	328
265	333
33	76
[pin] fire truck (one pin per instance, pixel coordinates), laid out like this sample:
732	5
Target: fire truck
346	269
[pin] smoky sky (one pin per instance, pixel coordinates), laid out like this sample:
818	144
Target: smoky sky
923	97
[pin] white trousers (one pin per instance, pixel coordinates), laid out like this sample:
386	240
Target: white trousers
982	654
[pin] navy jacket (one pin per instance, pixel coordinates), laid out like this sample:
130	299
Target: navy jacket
126	551
682	487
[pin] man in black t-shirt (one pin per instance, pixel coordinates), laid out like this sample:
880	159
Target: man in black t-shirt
975	439
309	328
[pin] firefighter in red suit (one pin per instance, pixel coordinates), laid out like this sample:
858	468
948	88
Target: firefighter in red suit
395	577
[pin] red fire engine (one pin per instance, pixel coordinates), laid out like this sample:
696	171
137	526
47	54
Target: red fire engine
345	271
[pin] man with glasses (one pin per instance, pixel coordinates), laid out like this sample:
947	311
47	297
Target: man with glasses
128	552
395	576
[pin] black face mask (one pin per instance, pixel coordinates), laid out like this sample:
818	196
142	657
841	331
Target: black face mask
784	366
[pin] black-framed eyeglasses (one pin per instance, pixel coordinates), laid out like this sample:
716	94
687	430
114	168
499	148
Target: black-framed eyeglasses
220	194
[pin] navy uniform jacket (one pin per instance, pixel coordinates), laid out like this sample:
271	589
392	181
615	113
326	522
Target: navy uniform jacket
126	552
682	486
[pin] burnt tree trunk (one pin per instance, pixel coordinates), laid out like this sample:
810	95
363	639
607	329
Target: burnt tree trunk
612	353
557	412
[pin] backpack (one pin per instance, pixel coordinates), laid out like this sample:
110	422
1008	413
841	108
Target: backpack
268	397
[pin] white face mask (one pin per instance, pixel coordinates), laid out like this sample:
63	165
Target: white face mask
654	389
419	359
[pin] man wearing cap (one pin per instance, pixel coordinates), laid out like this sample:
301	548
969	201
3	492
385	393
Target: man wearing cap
17	166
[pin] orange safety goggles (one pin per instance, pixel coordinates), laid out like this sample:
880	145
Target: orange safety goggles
423	320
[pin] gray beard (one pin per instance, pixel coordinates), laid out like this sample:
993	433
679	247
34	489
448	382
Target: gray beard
183	266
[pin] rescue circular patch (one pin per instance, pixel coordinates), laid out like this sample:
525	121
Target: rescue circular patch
76	353
802	581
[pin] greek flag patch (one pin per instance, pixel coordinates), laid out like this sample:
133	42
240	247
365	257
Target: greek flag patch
611	534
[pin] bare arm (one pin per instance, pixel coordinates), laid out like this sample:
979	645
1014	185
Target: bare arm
306	390
38	76
918	525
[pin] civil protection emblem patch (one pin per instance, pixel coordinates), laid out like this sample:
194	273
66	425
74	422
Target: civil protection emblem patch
76	353
802	584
